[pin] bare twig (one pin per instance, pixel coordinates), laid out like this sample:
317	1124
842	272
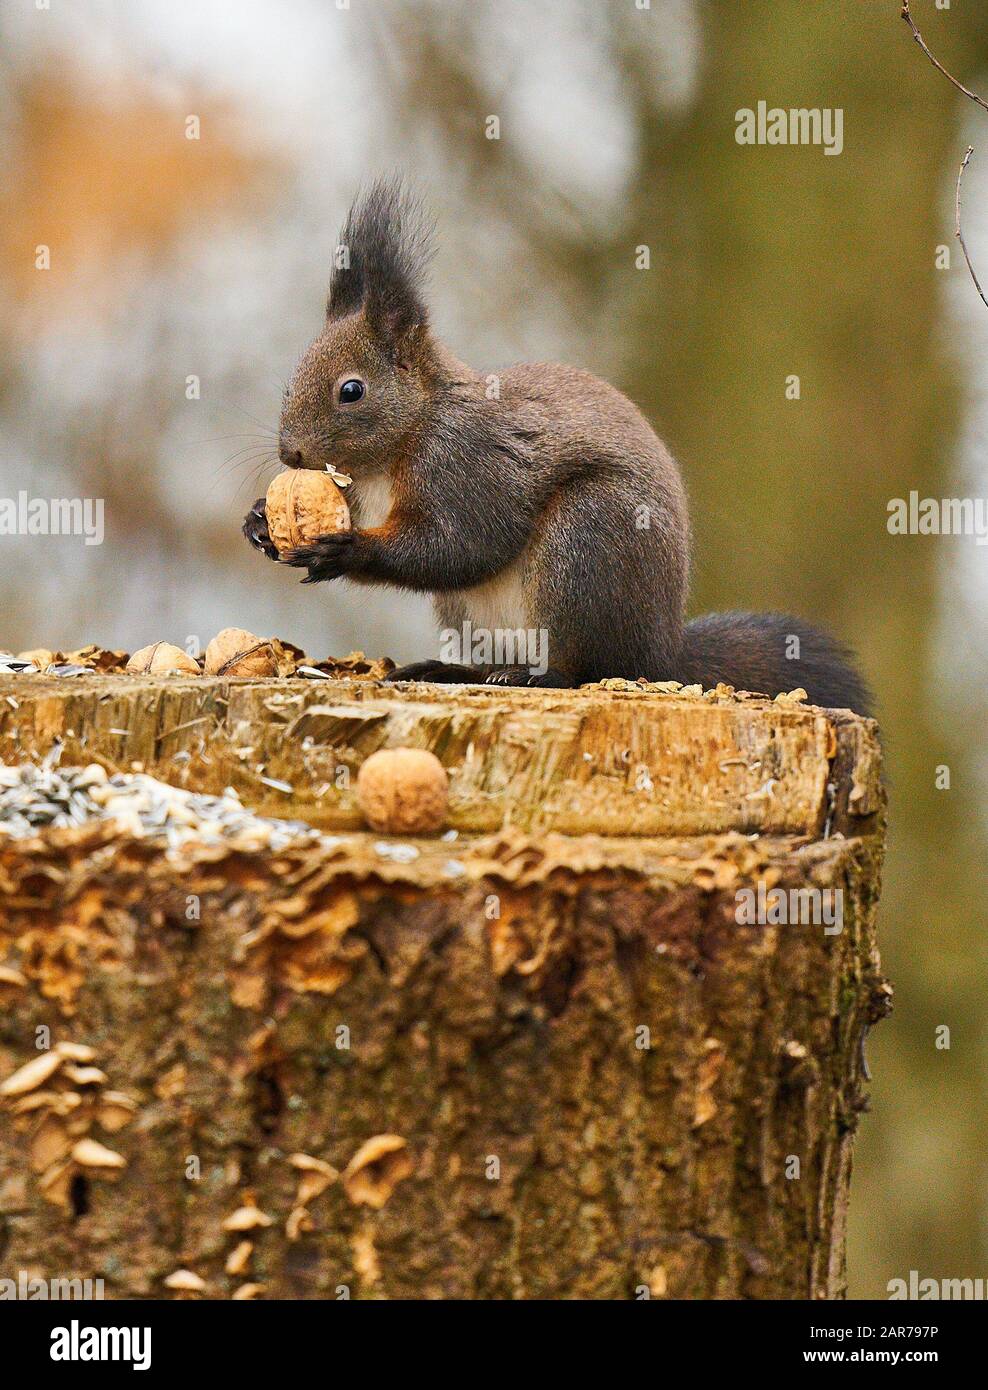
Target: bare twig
960	236
936	62
970	150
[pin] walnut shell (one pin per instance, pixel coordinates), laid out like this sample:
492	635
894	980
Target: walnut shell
160	658
302	505
40	656
236	652
403	791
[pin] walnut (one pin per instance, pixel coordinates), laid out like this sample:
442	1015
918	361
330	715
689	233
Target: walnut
236	652
302	505
161	658
403	791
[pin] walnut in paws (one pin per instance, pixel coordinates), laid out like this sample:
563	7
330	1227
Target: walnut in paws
301	505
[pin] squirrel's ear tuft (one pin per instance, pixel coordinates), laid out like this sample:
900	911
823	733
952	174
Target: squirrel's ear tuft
380	265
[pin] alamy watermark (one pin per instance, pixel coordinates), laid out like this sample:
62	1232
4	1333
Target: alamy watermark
938	516
793	907
52	516
925	1289
27	1288
499	646
78	1342
802	125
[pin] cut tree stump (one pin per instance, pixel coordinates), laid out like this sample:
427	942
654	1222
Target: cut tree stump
542	1059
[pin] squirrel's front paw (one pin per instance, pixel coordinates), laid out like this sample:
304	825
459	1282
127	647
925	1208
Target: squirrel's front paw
329	557
255	528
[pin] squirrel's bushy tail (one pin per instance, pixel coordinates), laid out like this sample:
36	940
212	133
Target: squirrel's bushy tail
770	653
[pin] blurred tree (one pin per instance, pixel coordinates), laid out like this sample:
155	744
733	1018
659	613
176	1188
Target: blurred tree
768	263
784	261
109	182
108	179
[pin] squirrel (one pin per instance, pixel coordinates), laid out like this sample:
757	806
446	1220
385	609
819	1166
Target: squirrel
547	504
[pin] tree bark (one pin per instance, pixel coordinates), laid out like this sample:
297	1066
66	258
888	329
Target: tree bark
597	1082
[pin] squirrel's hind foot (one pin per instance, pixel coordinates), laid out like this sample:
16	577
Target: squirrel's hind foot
447	673
440	673
525	676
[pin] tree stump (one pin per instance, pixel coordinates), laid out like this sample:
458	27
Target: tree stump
567	1053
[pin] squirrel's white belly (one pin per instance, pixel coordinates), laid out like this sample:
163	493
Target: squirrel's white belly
497	604
372	499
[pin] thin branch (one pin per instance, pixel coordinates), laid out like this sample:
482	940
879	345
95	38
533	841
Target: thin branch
936	62
960	236
970	149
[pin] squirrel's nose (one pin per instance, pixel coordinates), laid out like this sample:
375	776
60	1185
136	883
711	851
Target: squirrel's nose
290	457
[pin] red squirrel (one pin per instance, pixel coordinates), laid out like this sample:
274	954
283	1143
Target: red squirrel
536	499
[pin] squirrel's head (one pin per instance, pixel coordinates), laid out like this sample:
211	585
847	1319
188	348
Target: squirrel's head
363	387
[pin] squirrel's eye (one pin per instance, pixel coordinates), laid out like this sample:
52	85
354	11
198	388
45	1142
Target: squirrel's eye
351	391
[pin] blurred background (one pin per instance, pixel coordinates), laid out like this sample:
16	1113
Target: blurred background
145	367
